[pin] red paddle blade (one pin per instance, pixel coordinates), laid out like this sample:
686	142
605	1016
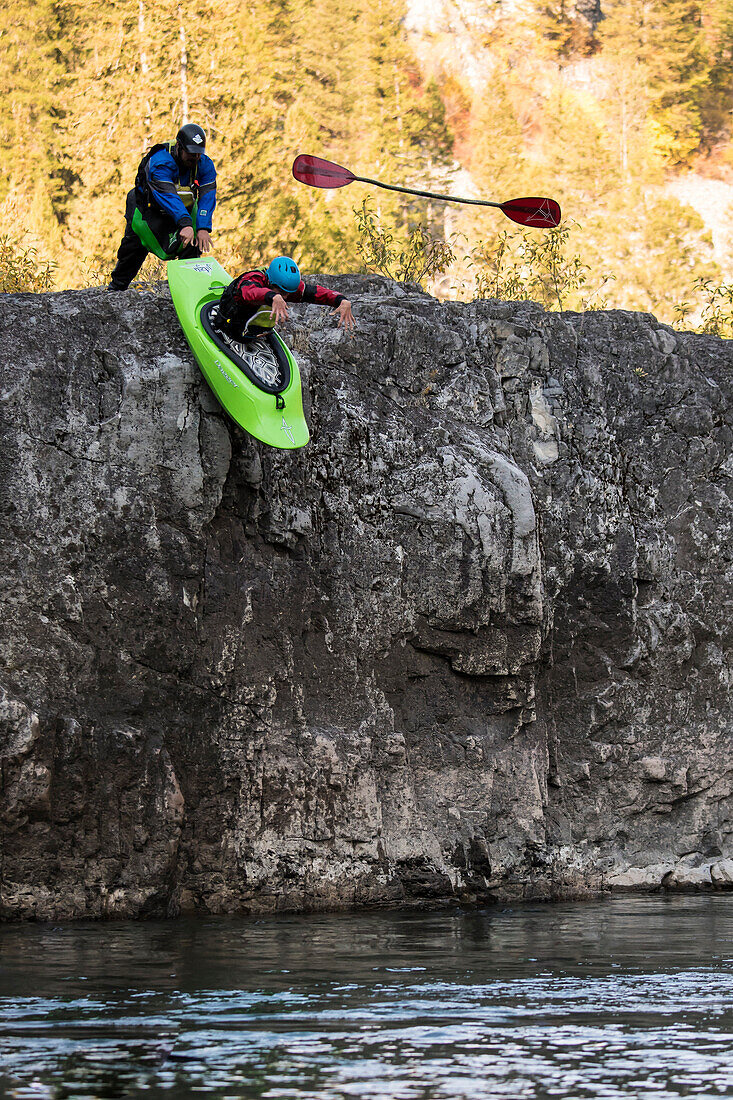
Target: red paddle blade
538	213
320	173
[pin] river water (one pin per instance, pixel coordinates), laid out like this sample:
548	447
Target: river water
615	998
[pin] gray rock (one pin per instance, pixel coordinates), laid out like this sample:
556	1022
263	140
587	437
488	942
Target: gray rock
639	878
473	641
721	874
653	768
685	877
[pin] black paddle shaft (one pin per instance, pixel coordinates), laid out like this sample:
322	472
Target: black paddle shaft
427	194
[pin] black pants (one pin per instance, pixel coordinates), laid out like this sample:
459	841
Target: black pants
132	252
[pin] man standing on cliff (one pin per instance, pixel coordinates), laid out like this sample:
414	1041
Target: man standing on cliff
169	210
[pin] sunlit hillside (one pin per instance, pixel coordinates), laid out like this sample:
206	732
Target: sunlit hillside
620	109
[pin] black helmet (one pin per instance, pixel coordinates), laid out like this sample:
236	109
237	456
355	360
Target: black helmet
191	138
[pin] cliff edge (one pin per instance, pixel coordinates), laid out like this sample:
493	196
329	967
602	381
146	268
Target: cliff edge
474	641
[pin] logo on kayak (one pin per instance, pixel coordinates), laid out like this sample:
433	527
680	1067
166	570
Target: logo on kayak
288	431
222	371
202	267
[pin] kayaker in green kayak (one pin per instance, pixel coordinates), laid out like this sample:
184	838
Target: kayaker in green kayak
258	300
256	380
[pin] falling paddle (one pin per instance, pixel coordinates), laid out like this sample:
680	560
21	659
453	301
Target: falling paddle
538	213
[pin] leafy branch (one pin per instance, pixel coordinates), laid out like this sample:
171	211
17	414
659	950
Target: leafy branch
413	260
20	270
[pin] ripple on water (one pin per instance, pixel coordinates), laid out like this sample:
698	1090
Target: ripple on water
606	1000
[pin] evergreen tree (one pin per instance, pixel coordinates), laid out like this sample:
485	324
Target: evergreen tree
124	92
716	100
685	67
657	249
274	96
34	61
561	30
678	73
89	85
496	141
626	98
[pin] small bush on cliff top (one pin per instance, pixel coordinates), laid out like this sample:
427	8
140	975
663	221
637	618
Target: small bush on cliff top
413	260
717	311
20	271
521	264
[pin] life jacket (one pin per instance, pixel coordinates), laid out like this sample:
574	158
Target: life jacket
188	193
239	318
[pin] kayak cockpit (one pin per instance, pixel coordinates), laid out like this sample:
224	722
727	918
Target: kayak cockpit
262	358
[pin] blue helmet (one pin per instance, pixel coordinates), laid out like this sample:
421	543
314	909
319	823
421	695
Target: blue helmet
284	273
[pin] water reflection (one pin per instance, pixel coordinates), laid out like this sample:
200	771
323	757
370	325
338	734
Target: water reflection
605	999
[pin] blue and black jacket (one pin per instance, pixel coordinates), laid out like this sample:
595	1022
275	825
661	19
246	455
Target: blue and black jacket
174	188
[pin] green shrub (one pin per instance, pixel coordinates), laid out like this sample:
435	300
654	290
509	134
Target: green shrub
20	271
534	265
416	258
717	310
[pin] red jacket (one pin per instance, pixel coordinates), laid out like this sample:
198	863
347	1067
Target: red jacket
248	294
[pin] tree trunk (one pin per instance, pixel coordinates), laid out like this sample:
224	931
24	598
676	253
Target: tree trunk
184	67
144	70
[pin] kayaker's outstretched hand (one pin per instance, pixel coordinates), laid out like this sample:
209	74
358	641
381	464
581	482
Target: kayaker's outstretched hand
203	240
279	309
346	317
186	234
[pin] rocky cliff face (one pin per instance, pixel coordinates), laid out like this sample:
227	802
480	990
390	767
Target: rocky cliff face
473	641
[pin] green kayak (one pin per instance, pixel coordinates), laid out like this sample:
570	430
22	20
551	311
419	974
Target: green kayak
256	381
